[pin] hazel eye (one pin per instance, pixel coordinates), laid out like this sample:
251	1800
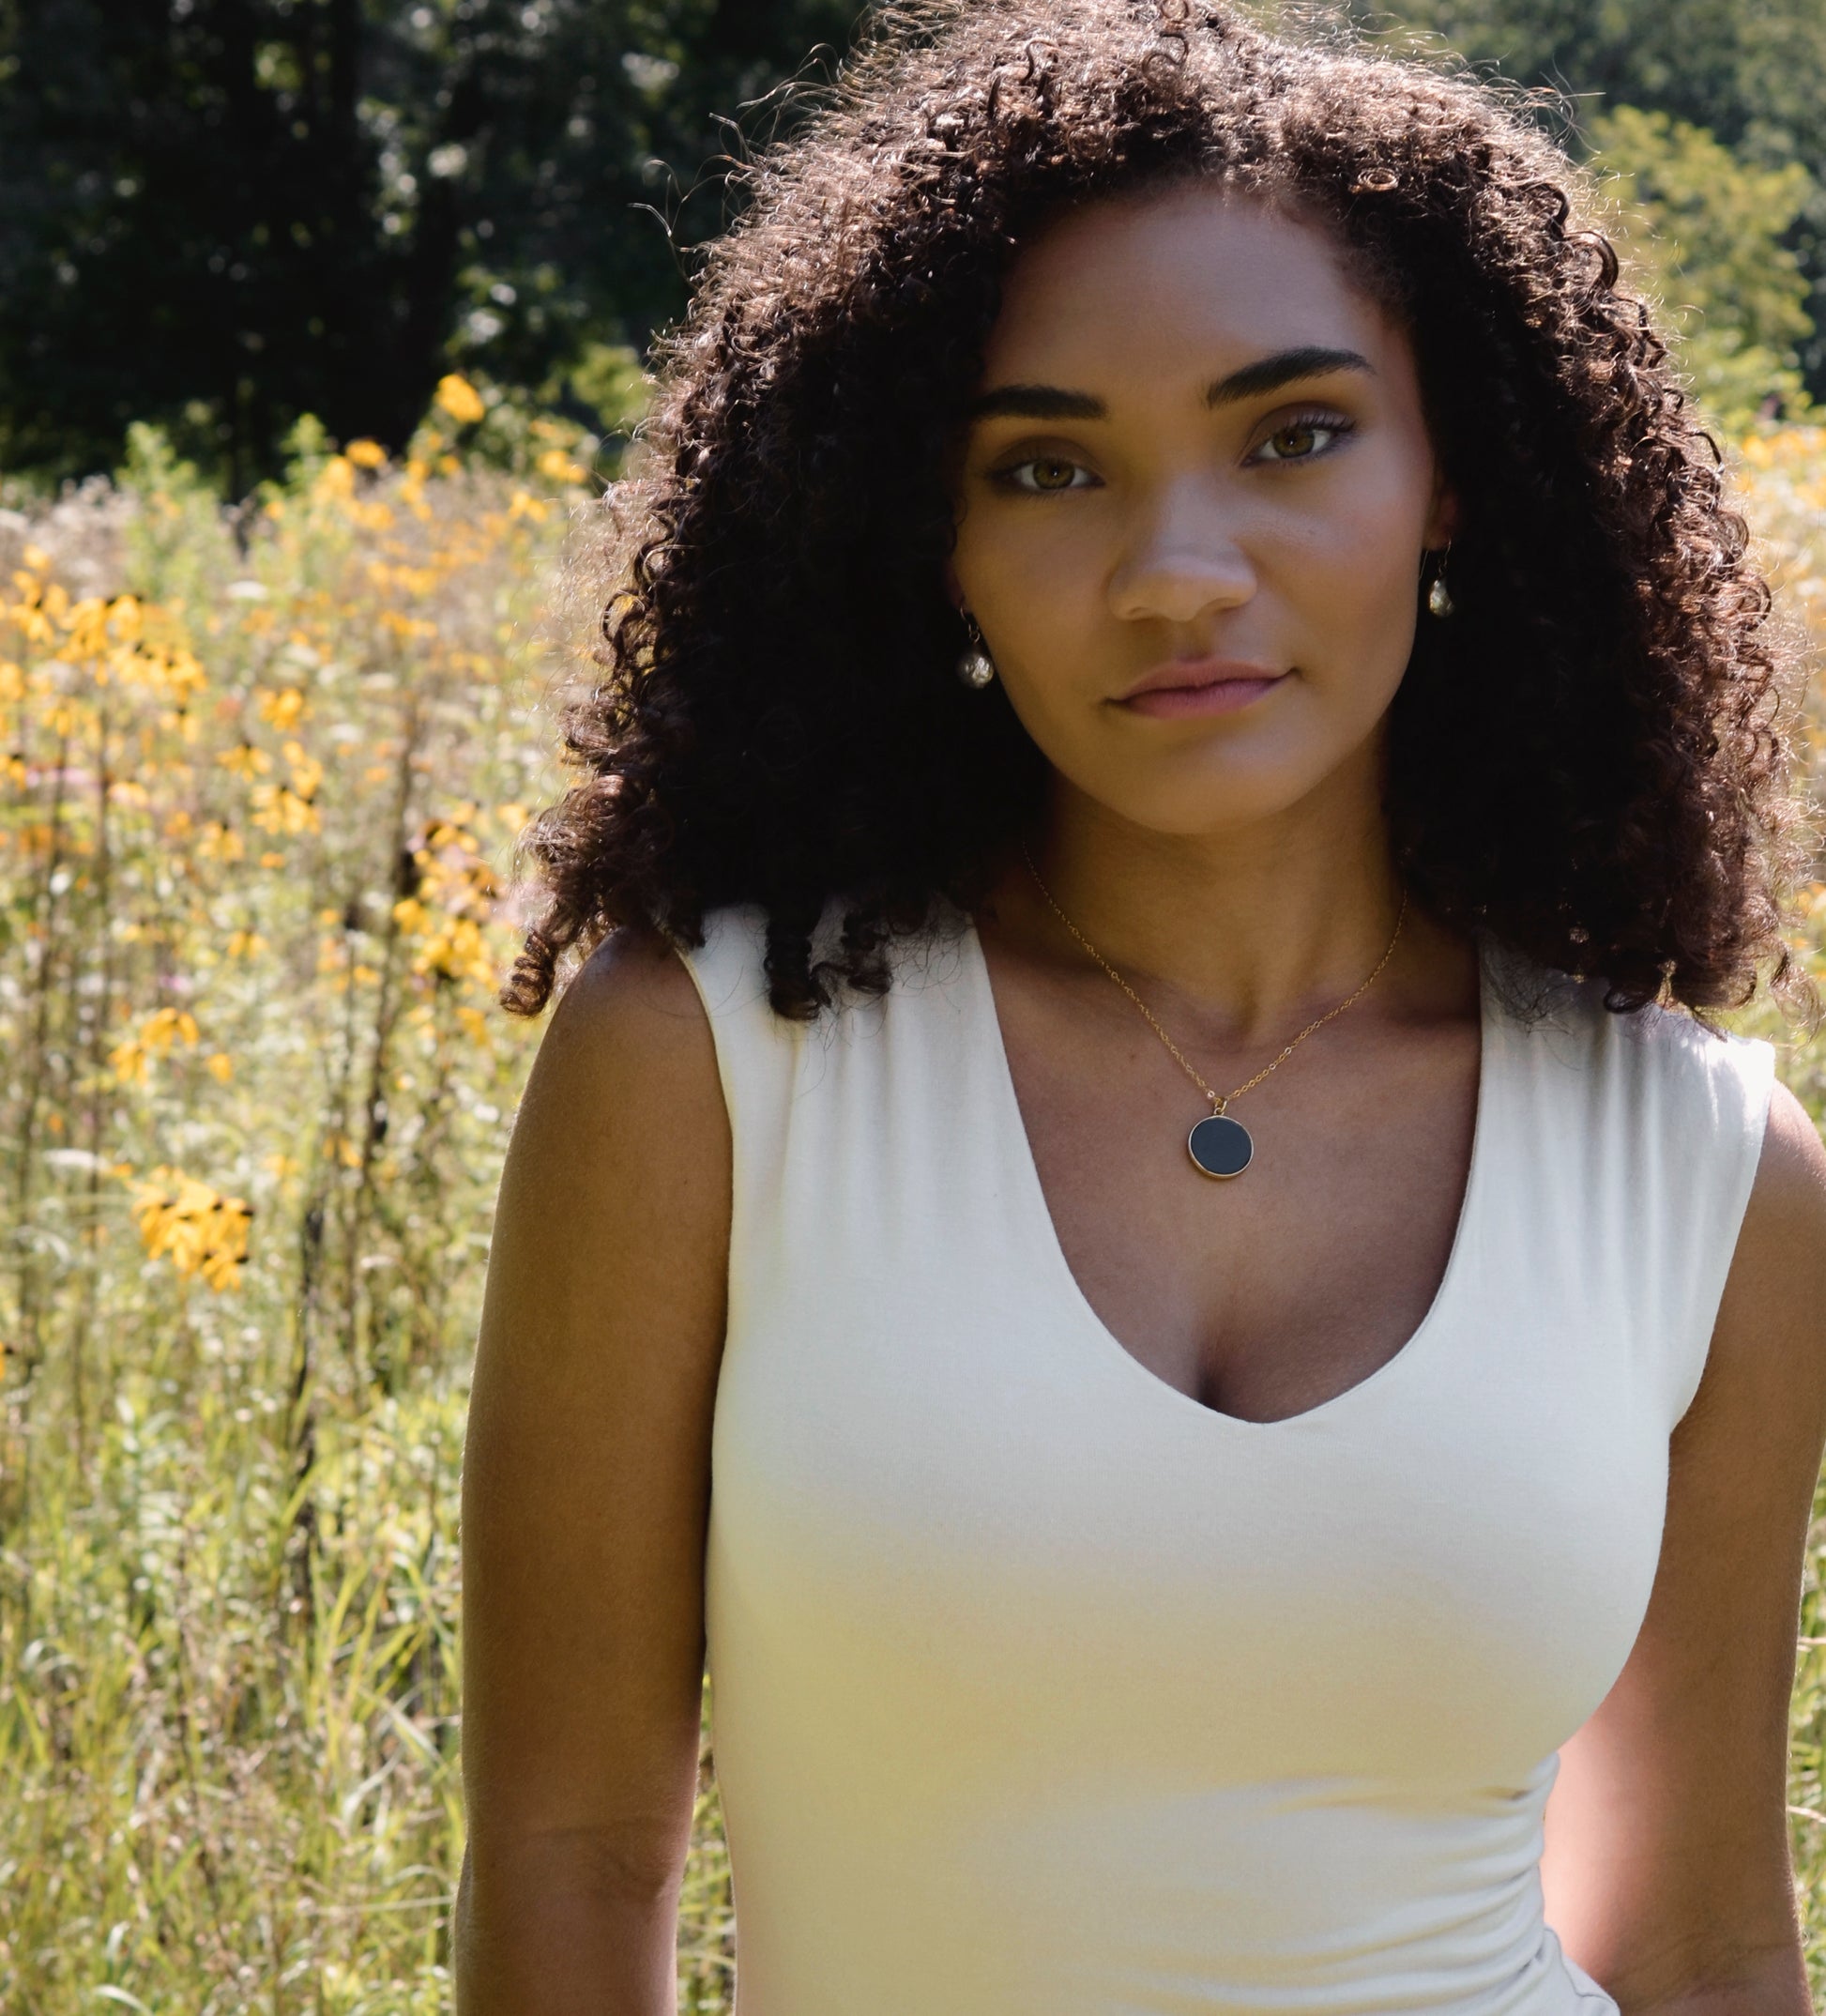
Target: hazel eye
1045	475
1294	440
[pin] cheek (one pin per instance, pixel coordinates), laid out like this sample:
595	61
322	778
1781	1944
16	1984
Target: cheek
1350	582
1039	594
1339	574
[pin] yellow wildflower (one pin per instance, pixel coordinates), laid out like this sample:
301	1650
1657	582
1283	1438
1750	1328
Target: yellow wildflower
283	709
219	843
128	1061
307	772
557	464
336	479
456	951
278	809
459	400
87	624
131	1059
244	760
167	1026
195	1226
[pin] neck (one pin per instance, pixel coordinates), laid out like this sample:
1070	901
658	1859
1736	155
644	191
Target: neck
1256	925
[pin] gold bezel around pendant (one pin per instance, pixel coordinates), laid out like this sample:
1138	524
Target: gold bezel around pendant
1227	1139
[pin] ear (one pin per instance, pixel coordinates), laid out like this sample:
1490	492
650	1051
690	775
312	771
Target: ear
1443	515
954	590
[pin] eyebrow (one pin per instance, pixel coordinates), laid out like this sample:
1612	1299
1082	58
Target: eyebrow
1266	374
1312	360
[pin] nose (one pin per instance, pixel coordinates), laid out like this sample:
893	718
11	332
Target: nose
1184	560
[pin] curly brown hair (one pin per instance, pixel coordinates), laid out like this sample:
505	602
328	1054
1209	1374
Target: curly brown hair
1588	760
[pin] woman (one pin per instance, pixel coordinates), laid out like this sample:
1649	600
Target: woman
1167	579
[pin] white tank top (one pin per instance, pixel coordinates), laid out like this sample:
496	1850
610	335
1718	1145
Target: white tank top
1042	1690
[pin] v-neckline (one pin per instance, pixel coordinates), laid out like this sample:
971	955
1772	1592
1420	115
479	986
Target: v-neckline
1035	1209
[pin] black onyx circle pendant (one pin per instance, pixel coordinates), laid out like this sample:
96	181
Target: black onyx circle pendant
1219	1146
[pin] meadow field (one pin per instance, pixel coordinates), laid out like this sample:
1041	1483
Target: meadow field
263	774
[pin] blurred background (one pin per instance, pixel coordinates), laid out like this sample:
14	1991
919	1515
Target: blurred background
321	324
221	216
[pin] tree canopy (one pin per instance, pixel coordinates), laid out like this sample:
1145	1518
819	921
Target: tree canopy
221	215
1704	231
1750	76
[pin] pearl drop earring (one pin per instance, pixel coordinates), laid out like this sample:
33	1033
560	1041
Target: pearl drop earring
975	666
1439	597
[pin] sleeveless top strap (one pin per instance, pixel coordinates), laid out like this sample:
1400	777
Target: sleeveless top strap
760	1058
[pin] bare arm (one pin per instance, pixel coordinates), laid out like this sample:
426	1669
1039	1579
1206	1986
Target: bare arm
1666	1869
586	1493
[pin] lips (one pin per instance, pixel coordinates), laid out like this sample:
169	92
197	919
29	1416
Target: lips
1199	686
1183	674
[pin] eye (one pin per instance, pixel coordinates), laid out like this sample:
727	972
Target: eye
1294	439
1044	475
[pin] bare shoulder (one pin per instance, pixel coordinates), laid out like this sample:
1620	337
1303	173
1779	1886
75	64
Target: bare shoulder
628	1028
613	1205
611	1225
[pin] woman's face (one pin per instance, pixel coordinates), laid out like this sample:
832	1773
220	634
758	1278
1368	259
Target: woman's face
1192	507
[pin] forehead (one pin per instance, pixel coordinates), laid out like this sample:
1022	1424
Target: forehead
1176	281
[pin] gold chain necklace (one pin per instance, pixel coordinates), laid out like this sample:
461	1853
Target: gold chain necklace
1218	1145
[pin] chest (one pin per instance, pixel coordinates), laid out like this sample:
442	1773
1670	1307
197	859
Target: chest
956	1512
966	1524
1271	1294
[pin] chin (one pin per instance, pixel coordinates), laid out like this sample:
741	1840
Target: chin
1205	799
1206	813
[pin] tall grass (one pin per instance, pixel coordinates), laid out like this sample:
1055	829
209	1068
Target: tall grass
262	774
261	778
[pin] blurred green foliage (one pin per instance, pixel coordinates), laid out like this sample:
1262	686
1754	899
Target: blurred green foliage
1750	74
219	215
1703	232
